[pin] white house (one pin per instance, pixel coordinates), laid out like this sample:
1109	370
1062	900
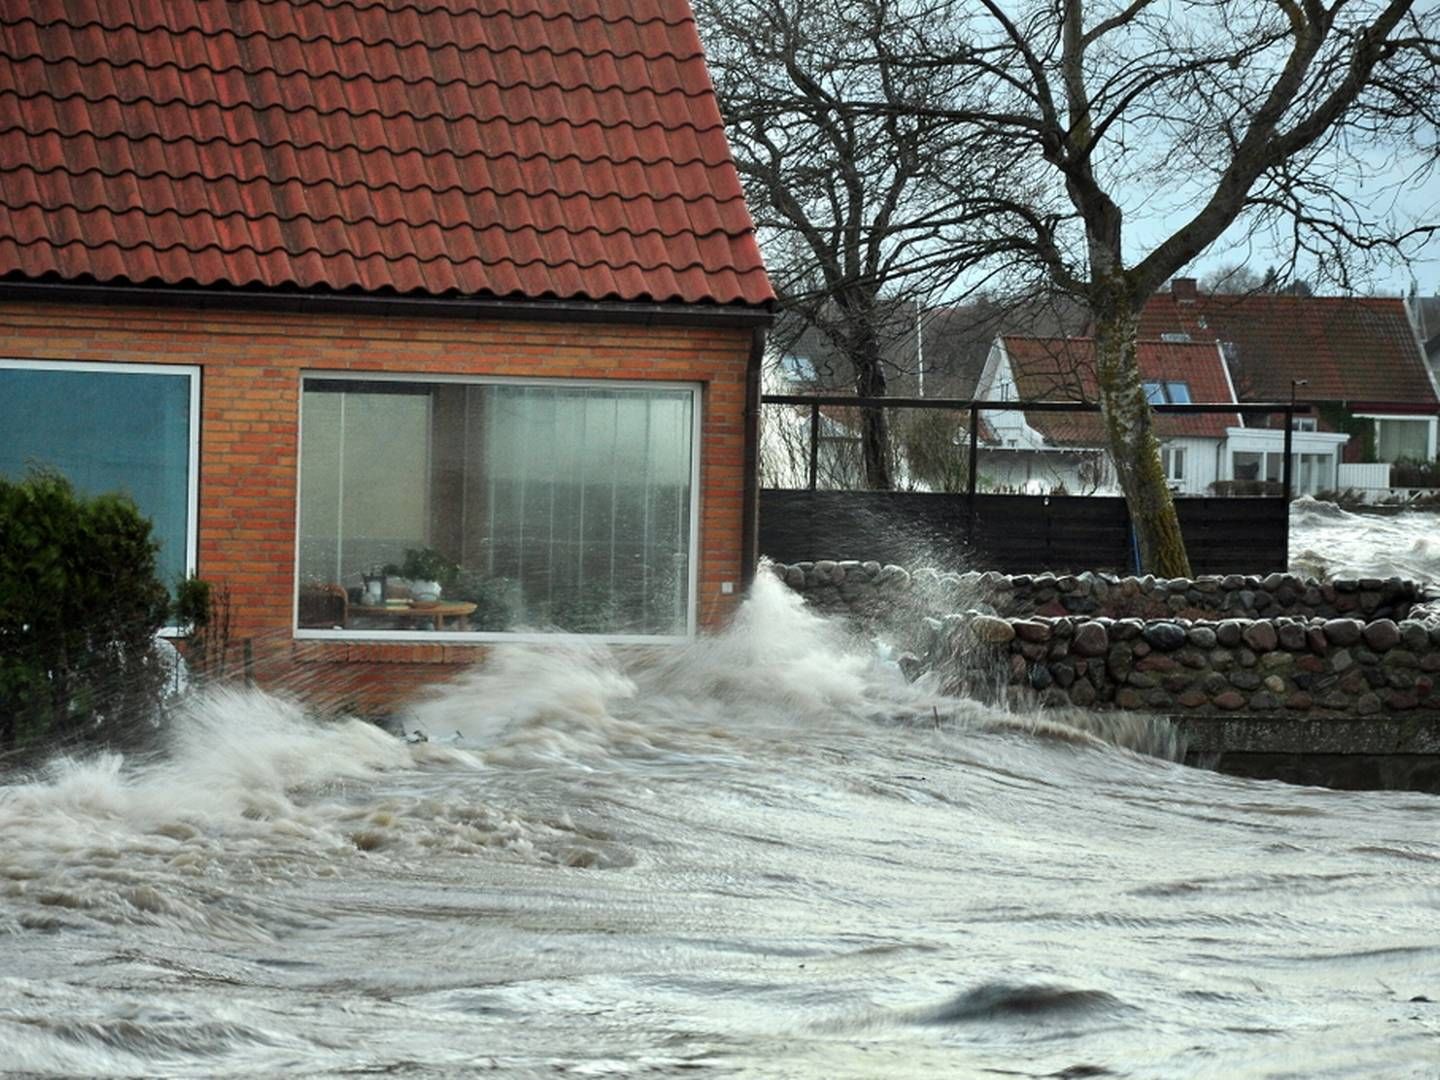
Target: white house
1032	450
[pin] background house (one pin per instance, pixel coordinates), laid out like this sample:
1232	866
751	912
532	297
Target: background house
1043	451
1424	312
1358	358
325	285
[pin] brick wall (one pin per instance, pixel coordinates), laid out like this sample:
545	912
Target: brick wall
250	399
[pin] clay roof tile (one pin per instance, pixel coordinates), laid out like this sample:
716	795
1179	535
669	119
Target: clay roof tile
539	148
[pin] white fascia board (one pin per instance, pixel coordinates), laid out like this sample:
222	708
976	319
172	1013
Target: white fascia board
1273	439
1229	383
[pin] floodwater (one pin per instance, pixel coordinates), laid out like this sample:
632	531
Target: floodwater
766	855
1326	541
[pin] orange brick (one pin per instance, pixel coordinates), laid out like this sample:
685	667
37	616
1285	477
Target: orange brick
251	367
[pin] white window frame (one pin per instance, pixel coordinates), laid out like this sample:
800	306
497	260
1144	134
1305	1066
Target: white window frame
451	637
1169	456
192	464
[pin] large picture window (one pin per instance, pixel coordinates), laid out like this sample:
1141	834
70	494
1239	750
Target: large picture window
130	428
1399	439
537	507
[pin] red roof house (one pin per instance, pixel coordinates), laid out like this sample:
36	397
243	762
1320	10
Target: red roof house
421	290
1359	355
1063	369
1201	453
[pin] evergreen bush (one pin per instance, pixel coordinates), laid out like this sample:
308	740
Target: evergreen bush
80	604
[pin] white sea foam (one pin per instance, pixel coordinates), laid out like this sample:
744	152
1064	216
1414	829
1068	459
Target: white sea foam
763	854
1328	542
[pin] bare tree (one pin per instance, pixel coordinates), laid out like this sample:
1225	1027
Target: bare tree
1288	118
1239	279
861	194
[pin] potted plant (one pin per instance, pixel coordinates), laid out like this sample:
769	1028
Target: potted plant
428	572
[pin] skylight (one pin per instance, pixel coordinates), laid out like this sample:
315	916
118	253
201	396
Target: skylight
1167	393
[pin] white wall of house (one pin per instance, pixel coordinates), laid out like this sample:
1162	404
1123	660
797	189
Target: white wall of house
1198	464
997	383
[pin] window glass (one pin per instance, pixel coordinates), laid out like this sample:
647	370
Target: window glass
1173	460
1154	393
1396	439
127	430
541	507
1178	393
1246	465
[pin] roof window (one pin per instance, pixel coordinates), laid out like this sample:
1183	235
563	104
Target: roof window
1167	393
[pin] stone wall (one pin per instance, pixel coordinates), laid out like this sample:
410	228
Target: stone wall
868	590
1279	644
1315	667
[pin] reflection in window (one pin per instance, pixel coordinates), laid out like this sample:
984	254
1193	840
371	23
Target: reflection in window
535	507
1402	439
1247	465
1166	392
1267	465
126	428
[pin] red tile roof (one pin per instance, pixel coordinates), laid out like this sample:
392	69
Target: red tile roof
509	148
1063	369
1349	348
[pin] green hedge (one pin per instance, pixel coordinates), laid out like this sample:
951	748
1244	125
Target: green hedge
80	604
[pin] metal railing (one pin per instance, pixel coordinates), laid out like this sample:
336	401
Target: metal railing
815	402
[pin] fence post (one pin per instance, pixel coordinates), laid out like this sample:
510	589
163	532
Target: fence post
814	442
972	465
1289	442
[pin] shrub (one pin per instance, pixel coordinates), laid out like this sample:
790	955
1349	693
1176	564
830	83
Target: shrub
80	604
202	610
1410	473
933	444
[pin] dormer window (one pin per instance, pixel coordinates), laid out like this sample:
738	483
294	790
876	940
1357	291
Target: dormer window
1167	392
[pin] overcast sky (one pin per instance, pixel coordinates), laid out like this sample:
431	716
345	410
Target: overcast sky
1387	192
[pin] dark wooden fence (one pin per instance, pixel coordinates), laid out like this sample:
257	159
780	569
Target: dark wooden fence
1017	534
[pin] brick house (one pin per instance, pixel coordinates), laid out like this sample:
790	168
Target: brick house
330	288
1359	359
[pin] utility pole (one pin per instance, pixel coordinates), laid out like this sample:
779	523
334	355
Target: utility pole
919	349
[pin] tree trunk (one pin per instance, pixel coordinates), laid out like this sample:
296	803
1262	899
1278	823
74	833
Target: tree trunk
874	424
1133	447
